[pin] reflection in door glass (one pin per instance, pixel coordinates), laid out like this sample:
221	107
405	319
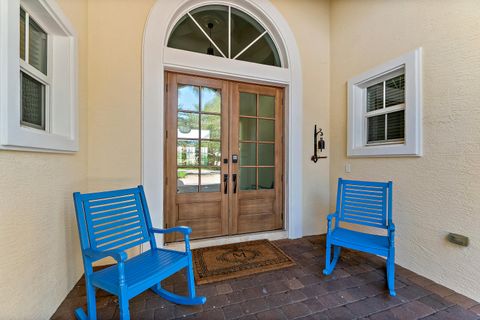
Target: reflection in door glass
210	126
210	153
266	178
248	178
187	152
188	125
210	179
211	100
187	181
188	98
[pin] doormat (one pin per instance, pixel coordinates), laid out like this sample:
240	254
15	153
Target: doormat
235	260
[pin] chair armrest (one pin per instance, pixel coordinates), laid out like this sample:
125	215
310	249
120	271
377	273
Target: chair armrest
329	221
391	234
118	255
331	216
181	229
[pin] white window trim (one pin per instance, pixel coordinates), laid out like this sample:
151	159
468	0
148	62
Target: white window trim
411	64
61	134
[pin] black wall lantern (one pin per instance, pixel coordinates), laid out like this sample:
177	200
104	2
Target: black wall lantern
318	144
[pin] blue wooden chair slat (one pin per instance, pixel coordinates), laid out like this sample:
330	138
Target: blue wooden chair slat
94	202
113	214
105	208
105	233
114	221
364	203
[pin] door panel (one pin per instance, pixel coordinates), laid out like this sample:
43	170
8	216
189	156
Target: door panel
208	122
256	137
196	143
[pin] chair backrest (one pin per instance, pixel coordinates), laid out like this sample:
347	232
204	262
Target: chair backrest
113	219
364	202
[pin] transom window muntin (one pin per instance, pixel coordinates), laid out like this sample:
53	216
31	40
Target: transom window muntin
35	80
227	32
385	109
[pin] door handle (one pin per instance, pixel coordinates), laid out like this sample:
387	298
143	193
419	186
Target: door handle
225	183
234	177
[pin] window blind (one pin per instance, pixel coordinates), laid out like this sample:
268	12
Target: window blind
386	122
37	47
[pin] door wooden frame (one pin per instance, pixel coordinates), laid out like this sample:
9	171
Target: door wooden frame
230	145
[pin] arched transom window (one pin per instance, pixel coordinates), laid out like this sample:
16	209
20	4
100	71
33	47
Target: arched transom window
226	32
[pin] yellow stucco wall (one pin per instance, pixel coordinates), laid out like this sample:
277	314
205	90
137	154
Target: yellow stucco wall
439	192
40	255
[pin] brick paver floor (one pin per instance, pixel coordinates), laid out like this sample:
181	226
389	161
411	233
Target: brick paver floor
356	290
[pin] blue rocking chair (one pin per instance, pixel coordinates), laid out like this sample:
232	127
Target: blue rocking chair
111	222
367	204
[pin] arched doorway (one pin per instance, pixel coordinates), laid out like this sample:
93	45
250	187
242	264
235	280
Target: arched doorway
284	71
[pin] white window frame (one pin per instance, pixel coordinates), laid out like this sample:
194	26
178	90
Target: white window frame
357	146
61	115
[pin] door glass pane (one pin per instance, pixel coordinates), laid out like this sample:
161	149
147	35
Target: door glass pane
214	21
188	98
263	51
248	178
210	179
210	126
37	47
248	129
244	30
188	125
187	152
187	180
376	128
248	154
267	106
211	153
266	130
211	100
266	178
396	125
248	104
187	36
33	102
266	154
22	34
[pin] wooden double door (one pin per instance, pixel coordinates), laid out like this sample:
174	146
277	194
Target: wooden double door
223	156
